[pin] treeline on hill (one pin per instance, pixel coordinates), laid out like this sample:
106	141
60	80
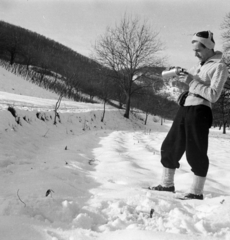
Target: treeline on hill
70	74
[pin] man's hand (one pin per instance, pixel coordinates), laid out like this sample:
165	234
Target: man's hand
186	77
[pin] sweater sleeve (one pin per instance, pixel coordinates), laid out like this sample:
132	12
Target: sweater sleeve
213	91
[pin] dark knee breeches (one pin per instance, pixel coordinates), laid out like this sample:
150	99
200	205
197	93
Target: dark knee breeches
189	133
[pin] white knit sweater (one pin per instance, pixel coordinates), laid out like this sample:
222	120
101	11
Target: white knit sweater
208	81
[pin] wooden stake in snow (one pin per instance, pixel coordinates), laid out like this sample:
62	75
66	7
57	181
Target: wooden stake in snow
151	213
58	103
20	198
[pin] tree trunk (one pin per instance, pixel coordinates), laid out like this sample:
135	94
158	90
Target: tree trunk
120	104
127	108
12	57
41	78
120	99
224	127
103	115
146	118
220	125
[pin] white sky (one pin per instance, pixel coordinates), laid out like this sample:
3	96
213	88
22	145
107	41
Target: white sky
78	23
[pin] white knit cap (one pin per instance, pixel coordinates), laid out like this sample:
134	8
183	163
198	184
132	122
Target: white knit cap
208	43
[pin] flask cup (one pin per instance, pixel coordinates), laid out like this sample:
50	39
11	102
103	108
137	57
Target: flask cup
174	72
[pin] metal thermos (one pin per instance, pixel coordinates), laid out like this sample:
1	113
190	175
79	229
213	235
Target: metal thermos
174	72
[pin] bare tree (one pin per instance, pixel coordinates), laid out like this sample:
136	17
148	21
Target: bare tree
221	109
57	105
126	49
11	43
28	55
225	26
105	90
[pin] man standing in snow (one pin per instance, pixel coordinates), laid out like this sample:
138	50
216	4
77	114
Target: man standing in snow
190	129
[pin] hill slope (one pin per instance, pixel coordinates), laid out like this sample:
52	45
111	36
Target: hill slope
12	83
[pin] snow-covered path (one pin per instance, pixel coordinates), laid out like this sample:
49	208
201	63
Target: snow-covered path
139	152
128	158
128	161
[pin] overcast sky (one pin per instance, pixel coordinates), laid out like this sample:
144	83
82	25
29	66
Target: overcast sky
78	23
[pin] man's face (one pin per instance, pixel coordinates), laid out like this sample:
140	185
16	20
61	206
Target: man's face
200	52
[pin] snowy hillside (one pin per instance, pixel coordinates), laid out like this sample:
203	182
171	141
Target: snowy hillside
84	179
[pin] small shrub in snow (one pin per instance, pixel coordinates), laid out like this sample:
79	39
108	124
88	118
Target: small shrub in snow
49	192
155	119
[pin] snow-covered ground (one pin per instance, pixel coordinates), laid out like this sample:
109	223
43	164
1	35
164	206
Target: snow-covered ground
84	179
